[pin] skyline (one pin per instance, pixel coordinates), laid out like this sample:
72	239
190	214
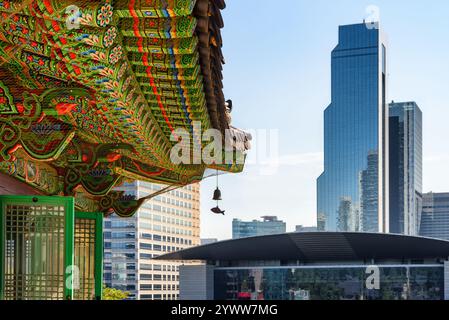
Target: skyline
298	79
223	150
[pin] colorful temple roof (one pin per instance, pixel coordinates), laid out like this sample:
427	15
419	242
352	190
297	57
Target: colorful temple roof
93	93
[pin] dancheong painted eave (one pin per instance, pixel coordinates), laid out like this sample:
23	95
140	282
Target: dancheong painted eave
91	92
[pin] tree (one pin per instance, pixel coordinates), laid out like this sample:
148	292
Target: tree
114	294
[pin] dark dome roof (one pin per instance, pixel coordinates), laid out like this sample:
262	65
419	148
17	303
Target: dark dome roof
318	246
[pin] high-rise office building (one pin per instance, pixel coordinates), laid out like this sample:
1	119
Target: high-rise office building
353	189
207	241
268	226
301	228
435	216
405	168
169	222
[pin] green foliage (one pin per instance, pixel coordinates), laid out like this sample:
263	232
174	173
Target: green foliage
114	294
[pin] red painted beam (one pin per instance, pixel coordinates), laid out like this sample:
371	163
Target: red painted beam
12	186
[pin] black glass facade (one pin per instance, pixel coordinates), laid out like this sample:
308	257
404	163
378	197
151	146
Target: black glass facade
352	191
417	282
405	168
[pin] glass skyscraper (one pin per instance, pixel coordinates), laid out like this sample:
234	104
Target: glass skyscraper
353	190
405	168
269	226
435	216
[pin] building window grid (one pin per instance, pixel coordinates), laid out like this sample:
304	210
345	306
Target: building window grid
173	234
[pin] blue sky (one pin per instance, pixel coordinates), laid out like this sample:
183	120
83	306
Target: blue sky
277	73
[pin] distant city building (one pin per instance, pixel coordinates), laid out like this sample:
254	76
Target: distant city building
317	266
167	223
435	216
306	229
353	189
321	222
405	168
208	241
345	214
269	225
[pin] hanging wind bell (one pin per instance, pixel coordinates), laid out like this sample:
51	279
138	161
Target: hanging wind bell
217	197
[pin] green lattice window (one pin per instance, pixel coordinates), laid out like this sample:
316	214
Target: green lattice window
45	245
88	255
36	247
